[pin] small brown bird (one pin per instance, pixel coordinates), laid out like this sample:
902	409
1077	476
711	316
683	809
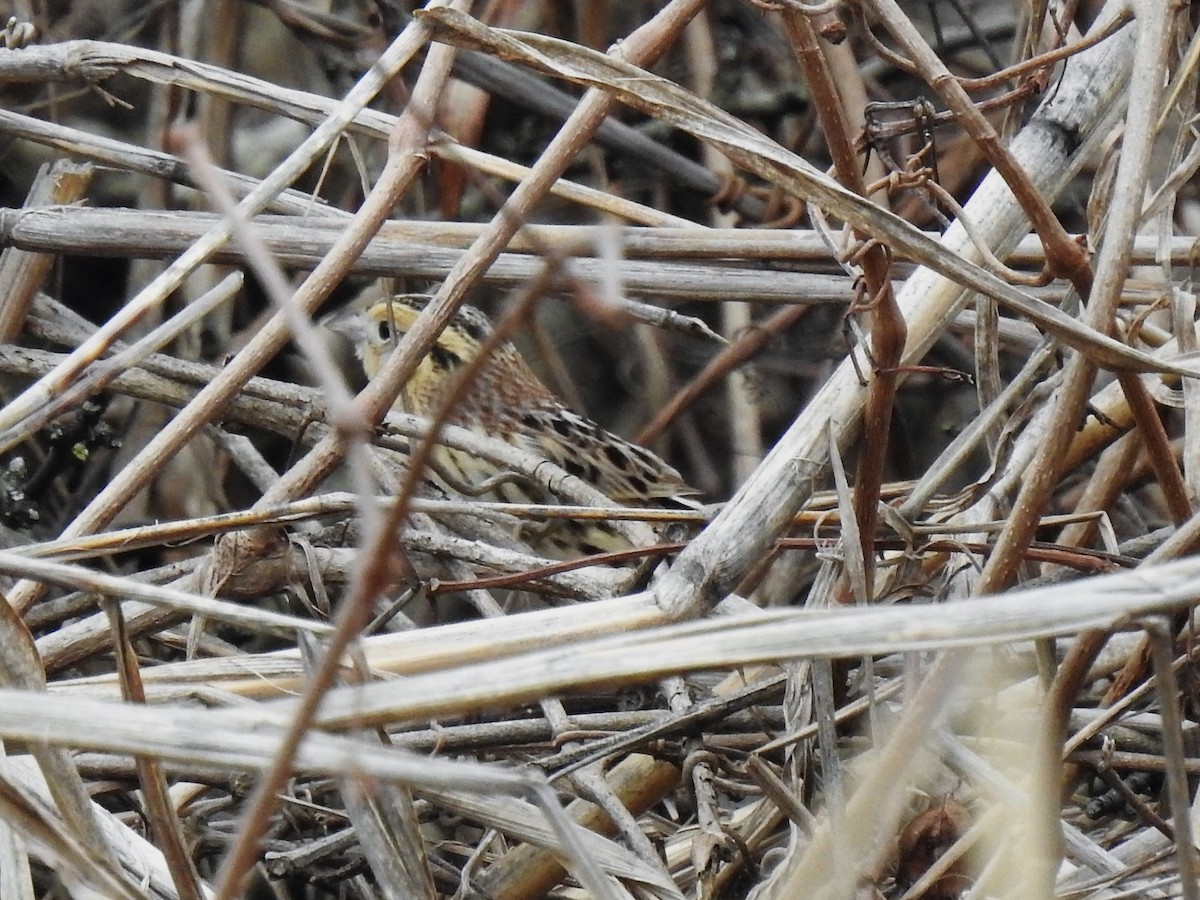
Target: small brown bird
508	401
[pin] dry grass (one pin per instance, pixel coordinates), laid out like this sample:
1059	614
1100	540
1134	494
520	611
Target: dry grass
932	635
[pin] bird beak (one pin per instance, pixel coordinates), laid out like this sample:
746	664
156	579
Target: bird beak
348	324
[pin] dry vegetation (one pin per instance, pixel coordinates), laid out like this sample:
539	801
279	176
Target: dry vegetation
932	635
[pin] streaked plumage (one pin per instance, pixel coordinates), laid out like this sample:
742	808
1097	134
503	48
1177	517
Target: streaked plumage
508	401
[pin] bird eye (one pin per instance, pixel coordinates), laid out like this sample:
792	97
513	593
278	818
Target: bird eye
385	330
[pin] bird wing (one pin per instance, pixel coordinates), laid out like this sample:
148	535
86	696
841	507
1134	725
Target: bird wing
619	469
